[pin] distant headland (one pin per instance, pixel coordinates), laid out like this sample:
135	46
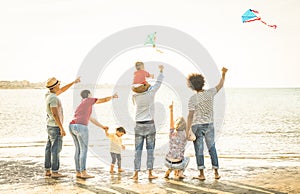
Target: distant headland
41	85
21	85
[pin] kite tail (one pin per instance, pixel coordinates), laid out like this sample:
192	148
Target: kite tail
272	26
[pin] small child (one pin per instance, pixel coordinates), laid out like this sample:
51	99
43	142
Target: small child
175	159
115	147
140	84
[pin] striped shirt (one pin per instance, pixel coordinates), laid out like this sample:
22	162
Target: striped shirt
202	105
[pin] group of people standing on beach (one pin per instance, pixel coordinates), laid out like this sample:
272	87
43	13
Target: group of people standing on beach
199	126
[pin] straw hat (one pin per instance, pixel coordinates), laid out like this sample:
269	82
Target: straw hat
52	82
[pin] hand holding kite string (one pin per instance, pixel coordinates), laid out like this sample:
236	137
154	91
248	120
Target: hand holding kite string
251	15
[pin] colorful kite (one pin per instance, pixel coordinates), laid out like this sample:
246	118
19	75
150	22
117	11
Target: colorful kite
151	38
251	15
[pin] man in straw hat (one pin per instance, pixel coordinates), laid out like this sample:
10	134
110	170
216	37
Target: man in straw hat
55	128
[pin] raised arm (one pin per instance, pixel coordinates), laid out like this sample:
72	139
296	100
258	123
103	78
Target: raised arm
106	99
171	116
66	87
221	83
160	77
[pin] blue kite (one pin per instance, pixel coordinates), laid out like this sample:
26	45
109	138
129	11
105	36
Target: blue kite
251	15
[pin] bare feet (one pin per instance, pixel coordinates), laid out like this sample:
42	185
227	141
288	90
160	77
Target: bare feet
217	176
48	173
85	175
181	175
112	172
151	176
167	173
120	170
135	176
78	174
200	177
57	175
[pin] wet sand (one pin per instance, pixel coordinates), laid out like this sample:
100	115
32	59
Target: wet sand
27	176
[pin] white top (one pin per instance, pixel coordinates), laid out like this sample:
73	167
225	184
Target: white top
115	143
144	102
202	105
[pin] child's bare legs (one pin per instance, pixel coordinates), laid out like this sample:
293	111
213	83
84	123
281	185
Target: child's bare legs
142	88
217	176
180	174
151	176
168	173
176	174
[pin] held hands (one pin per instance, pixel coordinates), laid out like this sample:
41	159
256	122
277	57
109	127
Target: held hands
105	128
123	147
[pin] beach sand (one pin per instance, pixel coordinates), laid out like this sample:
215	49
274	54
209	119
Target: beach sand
27	176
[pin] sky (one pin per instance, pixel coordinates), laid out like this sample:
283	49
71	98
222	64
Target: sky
44	38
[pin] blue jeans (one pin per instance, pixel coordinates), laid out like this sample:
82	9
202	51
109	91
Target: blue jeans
208	132
53	148
80	135
144	132
114	158
178	166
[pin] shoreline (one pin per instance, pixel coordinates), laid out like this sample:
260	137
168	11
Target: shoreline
26	175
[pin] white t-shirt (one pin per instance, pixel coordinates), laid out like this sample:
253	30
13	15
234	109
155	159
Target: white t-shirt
202	105
115	143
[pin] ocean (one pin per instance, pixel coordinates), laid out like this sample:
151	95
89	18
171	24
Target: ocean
259	124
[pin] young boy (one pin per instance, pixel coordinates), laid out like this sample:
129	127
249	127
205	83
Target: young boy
140	84
115	147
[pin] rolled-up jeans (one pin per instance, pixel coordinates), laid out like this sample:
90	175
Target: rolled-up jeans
206	131
178	166
80	135
144	132
53	148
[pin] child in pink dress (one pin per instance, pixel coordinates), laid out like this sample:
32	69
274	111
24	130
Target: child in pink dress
140	84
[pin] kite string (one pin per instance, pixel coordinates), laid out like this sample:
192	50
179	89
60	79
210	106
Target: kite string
259	18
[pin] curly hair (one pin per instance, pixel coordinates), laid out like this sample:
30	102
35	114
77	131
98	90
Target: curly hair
195	81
